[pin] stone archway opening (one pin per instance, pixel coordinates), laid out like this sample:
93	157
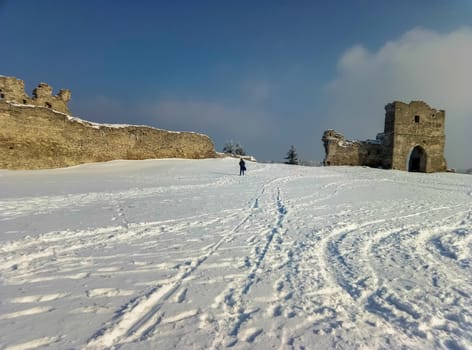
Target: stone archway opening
417	162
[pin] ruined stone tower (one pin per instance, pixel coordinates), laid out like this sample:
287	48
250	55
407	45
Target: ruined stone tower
414	137
413	140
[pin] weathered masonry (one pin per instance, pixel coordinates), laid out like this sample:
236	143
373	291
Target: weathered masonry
413	140
13	90
38	133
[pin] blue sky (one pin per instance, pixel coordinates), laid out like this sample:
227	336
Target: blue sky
266	74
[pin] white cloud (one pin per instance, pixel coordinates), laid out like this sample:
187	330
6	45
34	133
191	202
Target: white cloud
258	90
210	118
420	65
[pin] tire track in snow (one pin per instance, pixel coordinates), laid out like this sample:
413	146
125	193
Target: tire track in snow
338	255
29	256
13	208
424	270
348	249
288	300
229	329
138	319
349	254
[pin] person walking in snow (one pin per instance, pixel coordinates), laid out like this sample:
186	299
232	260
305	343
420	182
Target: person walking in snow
242	167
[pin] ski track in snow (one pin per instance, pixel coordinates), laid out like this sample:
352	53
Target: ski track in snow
285	258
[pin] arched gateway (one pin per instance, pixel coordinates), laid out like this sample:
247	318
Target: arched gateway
417	160
413	140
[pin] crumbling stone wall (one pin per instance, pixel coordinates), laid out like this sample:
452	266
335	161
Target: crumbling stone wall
33	137
340	151
413	139
13	90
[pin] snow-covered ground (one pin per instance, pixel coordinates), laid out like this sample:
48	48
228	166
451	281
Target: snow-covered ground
187	254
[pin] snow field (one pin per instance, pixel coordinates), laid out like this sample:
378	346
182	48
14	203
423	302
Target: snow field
184	254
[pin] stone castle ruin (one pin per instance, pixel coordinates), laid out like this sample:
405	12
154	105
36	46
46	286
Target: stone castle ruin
13	90
413	140
38	133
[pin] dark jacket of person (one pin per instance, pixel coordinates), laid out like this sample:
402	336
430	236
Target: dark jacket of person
242	167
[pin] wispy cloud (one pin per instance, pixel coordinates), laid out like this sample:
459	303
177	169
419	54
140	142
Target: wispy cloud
235	122
258	90
420	65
